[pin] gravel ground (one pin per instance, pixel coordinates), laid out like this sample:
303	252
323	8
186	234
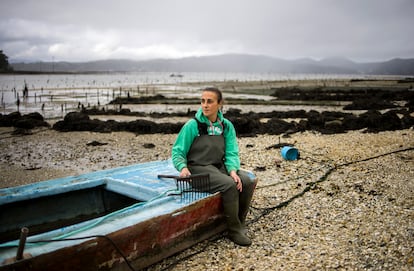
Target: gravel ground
347	203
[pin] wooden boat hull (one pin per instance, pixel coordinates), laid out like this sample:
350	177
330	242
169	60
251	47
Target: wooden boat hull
144	243
164	224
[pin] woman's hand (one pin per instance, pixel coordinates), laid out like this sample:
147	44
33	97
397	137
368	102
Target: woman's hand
185	172
237	180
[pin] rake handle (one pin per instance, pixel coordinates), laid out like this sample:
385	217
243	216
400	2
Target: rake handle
182	178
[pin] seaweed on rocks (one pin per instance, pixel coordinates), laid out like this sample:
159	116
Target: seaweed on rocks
27	121
246	124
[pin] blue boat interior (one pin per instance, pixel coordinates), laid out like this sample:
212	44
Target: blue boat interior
52	212
93	203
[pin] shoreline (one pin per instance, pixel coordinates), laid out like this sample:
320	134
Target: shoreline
96	91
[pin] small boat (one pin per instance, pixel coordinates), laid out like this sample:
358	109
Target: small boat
176	75
125	218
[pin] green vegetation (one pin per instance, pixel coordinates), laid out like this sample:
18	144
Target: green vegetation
4	63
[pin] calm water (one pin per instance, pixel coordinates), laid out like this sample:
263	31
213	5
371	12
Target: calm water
53	95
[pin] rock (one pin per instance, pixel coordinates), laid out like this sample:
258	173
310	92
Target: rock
372	103
76	117
96	143
148	145
277	126
245	125
28	121
333	127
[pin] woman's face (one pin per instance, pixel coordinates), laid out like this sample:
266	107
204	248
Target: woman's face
210	105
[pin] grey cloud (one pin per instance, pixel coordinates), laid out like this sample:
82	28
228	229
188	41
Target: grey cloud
360	30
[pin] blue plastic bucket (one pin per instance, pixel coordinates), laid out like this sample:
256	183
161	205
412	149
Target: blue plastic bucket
289	153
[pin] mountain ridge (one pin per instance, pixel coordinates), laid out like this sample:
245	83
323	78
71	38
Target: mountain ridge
228	63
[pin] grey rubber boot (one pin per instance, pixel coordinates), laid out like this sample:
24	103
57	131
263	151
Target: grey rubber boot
244	204
245	199
236	232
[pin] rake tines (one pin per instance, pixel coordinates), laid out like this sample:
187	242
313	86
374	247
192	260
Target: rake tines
193	187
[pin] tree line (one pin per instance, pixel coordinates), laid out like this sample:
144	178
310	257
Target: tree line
4	63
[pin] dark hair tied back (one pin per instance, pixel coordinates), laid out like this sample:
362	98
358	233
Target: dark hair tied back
216	91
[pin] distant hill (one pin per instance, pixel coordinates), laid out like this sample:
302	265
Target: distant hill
227	63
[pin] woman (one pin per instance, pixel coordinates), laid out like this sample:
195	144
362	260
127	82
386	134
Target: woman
208	144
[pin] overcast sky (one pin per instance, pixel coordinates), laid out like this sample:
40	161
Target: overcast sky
83	30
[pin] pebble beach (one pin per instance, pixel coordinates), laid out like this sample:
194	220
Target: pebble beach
346	204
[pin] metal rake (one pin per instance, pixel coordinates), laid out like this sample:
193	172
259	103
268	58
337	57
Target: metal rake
192	187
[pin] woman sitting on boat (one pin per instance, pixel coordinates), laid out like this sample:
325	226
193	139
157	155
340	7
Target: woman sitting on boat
208	144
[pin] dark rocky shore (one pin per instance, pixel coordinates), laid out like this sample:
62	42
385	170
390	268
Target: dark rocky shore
250	124
397	107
